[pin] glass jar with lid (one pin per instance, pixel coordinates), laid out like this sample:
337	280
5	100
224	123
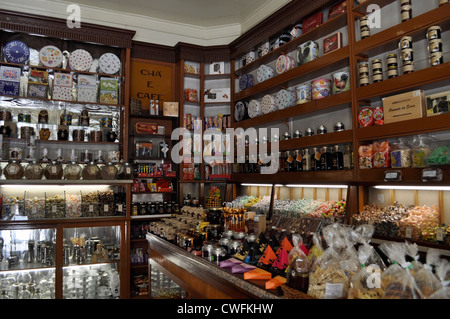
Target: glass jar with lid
125	171
53	170
91	172
109	171
33	170
72	171
13	170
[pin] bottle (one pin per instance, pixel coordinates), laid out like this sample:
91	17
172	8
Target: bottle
306	161
347	158
338	159
282	159
324	158
315	162
298	161
290	165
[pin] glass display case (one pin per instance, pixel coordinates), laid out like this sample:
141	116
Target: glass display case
27	263
163	287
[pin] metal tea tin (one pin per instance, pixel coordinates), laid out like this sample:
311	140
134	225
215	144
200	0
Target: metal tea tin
297	134
321	129
303	93
408	67
307	52
309	132
436	58
364	74
405	42
364	27
434	32
341	82
377	70
392	65
339	126
320	88
406	10
435	46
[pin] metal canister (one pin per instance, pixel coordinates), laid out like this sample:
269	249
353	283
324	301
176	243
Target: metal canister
364	27
436	58
286	136
224	241
364	74
392	65
408	67
234	246
339	126
218	254
434	32
321	129
228	233
251	238
407	55
239	236
406	10
207	251
309	132
405	42
297	134
303	93
377	70
435	45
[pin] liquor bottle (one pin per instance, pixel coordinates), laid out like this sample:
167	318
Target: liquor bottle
315	161
298	161
347	158
306	161
338	159
282	159
324	157
290	164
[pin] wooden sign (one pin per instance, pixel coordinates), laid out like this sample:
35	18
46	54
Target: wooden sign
152	81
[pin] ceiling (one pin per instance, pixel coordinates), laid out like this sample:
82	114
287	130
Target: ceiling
202	13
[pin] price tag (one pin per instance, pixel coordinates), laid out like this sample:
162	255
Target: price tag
434	174
439	234
120	207
408	232
105	207
392	176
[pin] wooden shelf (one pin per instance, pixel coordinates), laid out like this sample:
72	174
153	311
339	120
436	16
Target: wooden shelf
325	63
329	177
362	8
65	182
388	39
297	110
324	29
64	101
404	82
410	176
423	125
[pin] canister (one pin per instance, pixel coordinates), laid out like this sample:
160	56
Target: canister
377	70
309	132
285	37
283	99
392	65
407	55
303	93
435	45
320	88
341	82
254	108
406	10
240	111
364	27
364	74
218	254
245	81
307	52
434	32
296	30
408	67
268	104
297	134
339	126
405	42
284	63
207	251
250	57
321	129
234	246
436	58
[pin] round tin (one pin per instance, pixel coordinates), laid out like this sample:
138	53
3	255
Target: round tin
407	55
284	63
405	42
339	126
250	57
234	246
285	37
341	82
364	27
307	52
50	56
365	116
80	60
16	52
254	108
303	93
435	46
109	63
240	111
436	58
434	32
391	59
408	67
297	134
378	115
320	88
245	81
309	132
286	136
283	99
268	104
321	129
296	30
392	71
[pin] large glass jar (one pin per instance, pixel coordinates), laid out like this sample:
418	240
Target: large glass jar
53	170
125	171
13	170
72	171
109	171
91	172
34	170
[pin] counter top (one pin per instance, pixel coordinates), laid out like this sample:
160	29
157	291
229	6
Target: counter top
205	270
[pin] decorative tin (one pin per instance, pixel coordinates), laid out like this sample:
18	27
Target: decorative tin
250	57
109	63
9	73
406	10
436	58
320	88
309	132
254	108
332	43
321	129
365	116
307	52
408	67
434	32
378	115
364	27
37	90
303	93
435	46
297	134
312	21
296	30
341	82
16	52
339	126
62	93
240	111
63	79
285	98
51	56
377	70
263	49
264	73
284	63
245	81
87	94
285	37
268	104
364	74
80	60
9	88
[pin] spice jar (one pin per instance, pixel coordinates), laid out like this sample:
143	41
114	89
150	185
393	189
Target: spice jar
53	170
392	65
33	170
13	170
364	27
406	10
109	171
91	172
377	70
72	171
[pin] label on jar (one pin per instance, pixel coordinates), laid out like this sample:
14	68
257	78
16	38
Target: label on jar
91	208
127	170
54	170
92	170
54	208
120	207
105	207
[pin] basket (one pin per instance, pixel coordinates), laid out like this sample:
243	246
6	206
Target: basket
291	293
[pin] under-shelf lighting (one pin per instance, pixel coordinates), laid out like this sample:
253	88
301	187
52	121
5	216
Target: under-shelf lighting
317	186
418	188
261	185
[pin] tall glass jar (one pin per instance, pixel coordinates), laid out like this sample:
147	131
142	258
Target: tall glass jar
72	171
33	170
13	170
109	171
91	172
125	171
53	170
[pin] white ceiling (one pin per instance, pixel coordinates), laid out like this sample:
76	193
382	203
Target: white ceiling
165	22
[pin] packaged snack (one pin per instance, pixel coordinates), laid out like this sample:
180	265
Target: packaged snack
381	154
420	151
275	282
297	273
365	156
400	155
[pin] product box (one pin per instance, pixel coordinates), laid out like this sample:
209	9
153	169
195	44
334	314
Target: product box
87	94
438	103
217	68
337	9
332	43
170	109
313	21
37	90
406	106
62	93
9	88
217	95
63	79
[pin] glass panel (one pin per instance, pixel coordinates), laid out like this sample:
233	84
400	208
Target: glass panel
163	287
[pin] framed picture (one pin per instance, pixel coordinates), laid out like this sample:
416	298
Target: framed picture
217	68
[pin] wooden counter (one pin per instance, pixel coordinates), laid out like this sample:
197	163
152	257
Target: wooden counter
201	278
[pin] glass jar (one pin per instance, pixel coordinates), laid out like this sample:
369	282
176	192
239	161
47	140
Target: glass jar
53	170
33	170
109	171
72	171
91	172
13	170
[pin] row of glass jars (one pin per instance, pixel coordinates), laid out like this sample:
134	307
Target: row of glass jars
54	170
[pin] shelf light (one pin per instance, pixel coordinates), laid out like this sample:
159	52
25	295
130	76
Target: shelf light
261	185
418	188
317	186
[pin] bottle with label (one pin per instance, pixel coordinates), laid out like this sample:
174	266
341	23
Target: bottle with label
282	159
324	159
298	161
347	158
290	164
315	162
306	161
338	159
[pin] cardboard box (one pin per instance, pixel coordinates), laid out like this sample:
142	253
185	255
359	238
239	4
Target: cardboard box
217	95
170	109
406	106
438	103
332	43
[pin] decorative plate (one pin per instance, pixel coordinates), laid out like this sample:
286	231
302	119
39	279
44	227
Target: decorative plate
109	63
51	56
80	60
16	52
